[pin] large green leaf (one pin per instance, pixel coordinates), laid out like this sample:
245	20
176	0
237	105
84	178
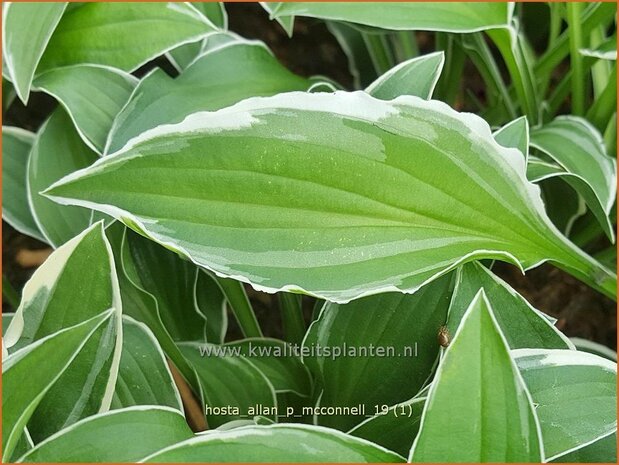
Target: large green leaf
28	374
417	76
143	375
276	443
401	328
16	145
211	302
336	195
578	147
478	407
57	151
522	325
77	282
92	95
122	35
575	396
216	80
229	380
118	436
26	30
430	16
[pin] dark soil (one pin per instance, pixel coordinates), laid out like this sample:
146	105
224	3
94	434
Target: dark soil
580	310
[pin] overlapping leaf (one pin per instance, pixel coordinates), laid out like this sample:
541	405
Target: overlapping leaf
478	408
92	95
401	328
217	79
76	283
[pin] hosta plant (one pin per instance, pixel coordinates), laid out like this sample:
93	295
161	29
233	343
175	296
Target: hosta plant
185	174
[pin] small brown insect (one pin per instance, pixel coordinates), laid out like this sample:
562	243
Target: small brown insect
443	337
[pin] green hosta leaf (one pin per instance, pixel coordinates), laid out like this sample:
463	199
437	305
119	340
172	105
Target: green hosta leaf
142	306
563	203
16	145
539	170
170	280
211	302
92	95
26	30
28	374
57	151
578	147
218	79
395	428
478	408
118	436
359	61
522	325
77	282
276	361
575	396
403	327
417	76
515	134
263	191
229	380
276	443
601	451
143	376
430	16
122	35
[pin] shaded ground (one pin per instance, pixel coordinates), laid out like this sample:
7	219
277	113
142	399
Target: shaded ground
581	311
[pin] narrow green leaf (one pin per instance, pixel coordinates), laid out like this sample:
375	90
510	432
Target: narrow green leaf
211	303
359	60
578	147
26	31
229	380
478	408
289	216
522	325
417	76
143	376
278	362
216	80
29	373
575	396
429	16
276	443
394	428
123	36
92	95
401	328
57	151
77	282
16	145
240	306
118	436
